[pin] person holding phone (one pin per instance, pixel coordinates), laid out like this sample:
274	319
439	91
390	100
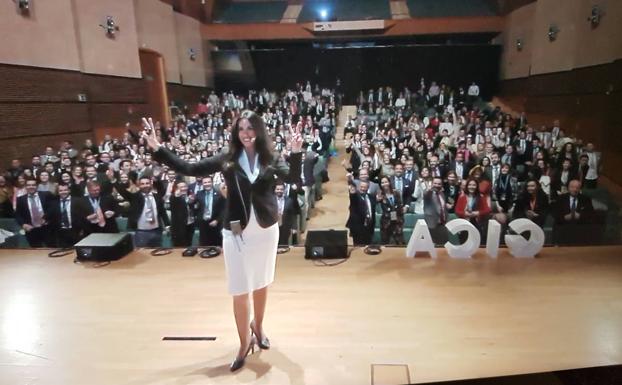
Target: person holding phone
251	230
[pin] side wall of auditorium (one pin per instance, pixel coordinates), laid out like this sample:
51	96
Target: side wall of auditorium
575	78
58	50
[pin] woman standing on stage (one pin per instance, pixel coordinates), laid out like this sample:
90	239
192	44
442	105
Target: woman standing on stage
251	230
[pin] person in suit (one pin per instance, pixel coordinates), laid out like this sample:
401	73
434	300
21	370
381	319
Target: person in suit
309	159
573	214
532	204
183	210
32	213
210	210
392	213
147	215
401	185
461	167
435	211
65	221
361	220
97	212
288	208
451	189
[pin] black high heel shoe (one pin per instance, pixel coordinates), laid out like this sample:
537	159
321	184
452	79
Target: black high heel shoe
239	362
264	343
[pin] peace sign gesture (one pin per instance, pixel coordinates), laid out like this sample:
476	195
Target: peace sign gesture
150	134
295	137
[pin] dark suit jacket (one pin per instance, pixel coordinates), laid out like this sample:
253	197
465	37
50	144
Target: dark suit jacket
309	164
523	204
77	222
358	214
466	167
432	210
407	189
180	212
218	205
556	182
241	192
106	203
137	204
451	197
584	208
22	213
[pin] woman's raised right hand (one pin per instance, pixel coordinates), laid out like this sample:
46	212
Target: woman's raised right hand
149	135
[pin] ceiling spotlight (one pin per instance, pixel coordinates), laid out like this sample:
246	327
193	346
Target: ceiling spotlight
110	26
595	16
519	44
552	33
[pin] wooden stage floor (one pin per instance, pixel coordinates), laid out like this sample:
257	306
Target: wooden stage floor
65	323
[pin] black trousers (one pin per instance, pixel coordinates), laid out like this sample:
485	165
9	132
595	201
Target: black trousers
182	237
208	235
66	237
40	237
284	233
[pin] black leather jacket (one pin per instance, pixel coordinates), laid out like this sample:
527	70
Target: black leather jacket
241	193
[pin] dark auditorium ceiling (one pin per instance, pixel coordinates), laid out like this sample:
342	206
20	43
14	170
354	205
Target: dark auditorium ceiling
203	9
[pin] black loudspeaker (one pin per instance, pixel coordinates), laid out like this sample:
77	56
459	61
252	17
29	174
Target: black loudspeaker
326	244
104	247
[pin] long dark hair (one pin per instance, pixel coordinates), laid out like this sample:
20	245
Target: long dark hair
262	141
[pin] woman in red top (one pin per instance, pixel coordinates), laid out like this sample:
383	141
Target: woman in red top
473	205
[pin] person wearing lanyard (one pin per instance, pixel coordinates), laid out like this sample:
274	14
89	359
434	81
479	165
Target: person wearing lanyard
505	188
65	220
472	205
392	216
435	208
210	209
97	211
147	215
32	214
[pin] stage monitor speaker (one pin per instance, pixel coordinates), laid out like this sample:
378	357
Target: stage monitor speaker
326	244
104	247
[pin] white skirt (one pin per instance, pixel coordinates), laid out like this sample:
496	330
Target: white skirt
250	260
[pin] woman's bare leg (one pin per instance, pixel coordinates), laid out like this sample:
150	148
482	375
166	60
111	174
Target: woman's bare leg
260	298
241	311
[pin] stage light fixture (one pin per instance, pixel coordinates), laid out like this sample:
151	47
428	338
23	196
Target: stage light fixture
595	16
323	13
552	33
519	44
110	27
192	54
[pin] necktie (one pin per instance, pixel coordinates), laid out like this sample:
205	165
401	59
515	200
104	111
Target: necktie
35	211
573	204
207	213
442	209
398	184
64	215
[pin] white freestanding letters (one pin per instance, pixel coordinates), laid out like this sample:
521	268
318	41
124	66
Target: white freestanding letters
492	239
519	246
420	240
468	248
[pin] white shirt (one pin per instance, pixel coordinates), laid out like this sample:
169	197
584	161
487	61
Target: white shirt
592	171
39	206
245	164
143	222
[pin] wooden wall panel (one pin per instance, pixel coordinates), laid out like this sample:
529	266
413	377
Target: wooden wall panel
187	95
34	119
587	101
29	84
